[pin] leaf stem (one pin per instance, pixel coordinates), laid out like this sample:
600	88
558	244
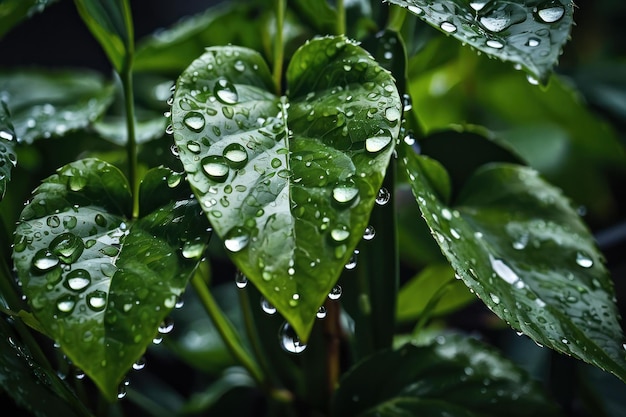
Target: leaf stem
131	143
226	330
279	48
341	17
253	336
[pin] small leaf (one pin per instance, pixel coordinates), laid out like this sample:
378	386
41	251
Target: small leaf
110	22
49	103
529	33
99	283
453	376
288	182
517	243
8	159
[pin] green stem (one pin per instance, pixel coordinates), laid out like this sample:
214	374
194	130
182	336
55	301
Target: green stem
341	17
396	18
131	144
226	330
253	336
279	48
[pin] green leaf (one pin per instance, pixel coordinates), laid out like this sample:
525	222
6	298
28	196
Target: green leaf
12	12
436	280
52	103
529	33
8	159
288	182
453	376
110	22
98	282
518	244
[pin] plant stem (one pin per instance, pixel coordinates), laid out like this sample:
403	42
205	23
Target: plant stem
131	143
341	17
332	333
244	302
226	331
279	49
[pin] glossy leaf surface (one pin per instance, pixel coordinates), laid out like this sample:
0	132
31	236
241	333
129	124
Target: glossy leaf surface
8	159
518	244
49	103
288	182
99	283
528	33
453	376
111	24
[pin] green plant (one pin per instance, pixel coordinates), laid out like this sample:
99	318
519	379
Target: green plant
306	139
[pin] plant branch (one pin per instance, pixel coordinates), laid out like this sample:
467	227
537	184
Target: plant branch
341	17
279	49
226	330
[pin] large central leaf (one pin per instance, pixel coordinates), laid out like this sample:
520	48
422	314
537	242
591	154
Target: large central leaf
288	182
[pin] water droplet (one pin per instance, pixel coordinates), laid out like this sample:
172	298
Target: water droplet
78	280
166	326
235	155
495	298
335	292
239	66
241	280
236	239
377	143
267	307
533	42
44	260
193	147
340	233
215	168
100	220
383	196
584	260
169	130
96	300
414	9
194	121
478	5
369	233
68	247
503	270
392	114
192	249
345	193
532	80
448	27
550	11
407	102
53	221
225	91
121	392
492	43
66	304
495	22
289	340
352	261
139	364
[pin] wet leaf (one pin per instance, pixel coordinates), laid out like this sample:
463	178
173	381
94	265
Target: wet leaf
518	244
452	376
288	182
51	103
8	159
529	33
98	282
111	24
12	12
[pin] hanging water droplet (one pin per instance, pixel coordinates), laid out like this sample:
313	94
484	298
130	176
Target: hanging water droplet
532	80
157	340
407	102
383	196
97	300
174	151
44	260
225	91
166	326
289	340
321	312
215	168
241	281
448	27
121	392
550	11
78	280
267	307
369	233
236	239
68	247
335	292
169	129
584	260
345	193
235	155
352	261
139	364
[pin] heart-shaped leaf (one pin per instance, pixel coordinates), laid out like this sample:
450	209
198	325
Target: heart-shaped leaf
453	376
288	182
50	103
518	244
100	283
529	33
7	153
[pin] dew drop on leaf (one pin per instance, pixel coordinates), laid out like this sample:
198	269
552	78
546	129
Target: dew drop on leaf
78	280
267	307
584	260
340	233
496	44
96	300
53	221
289	340
193	147
236	239
448	27
321	312
66	303
414	9
68	247
383	196
478	5
345	192
44	260
550	11
369	233
225	91
352	261
139	364
215	168
166	326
